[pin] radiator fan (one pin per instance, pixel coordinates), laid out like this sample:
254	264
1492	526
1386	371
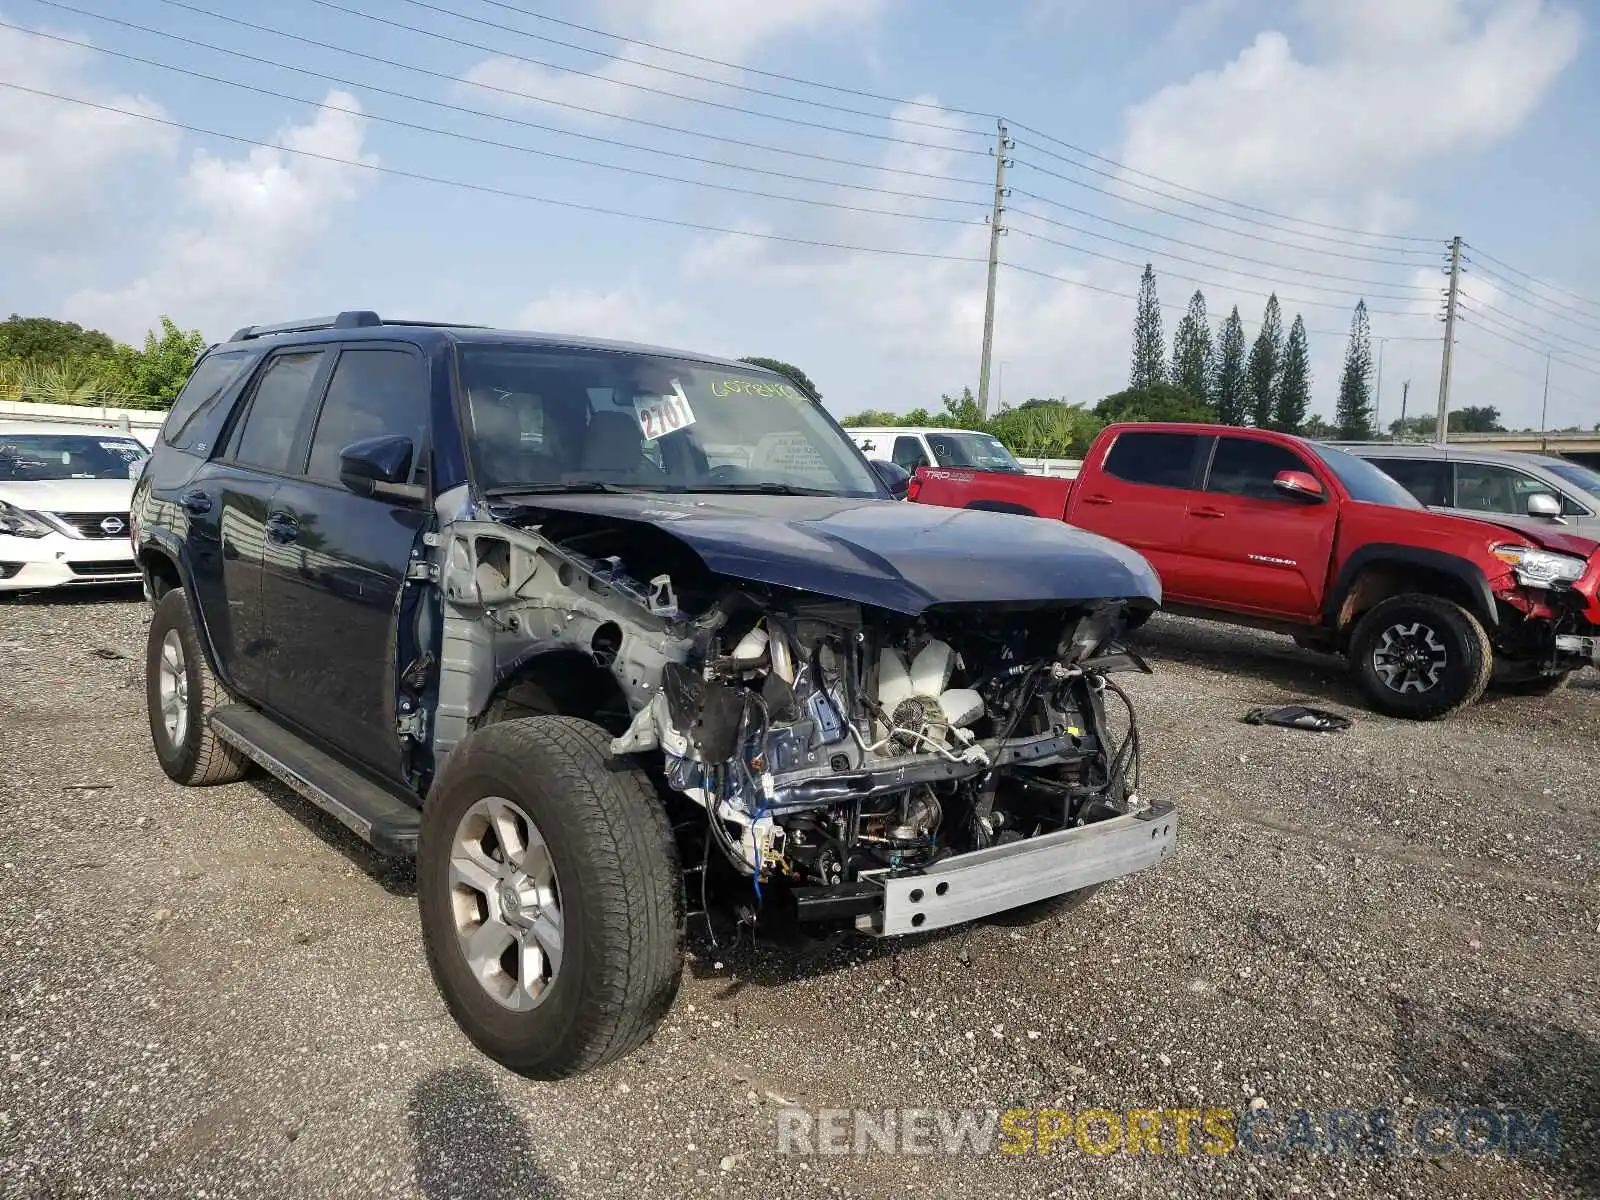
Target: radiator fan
920	705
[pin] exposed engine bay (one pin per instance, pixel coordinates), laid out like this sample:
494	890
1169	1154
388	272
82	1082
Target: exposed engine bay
824	742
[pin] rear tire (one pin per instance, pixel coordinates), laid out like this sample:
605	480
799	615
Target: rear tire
587	838
180	693
1421	656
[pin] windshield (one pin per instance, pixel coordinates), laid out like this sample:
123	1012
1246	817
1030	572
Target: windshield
976	451
1576	473
1364	481
35	456
544	418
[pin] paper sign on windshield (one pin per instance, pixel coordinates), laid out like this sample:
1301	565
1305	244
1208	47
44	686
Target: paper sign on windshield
670	413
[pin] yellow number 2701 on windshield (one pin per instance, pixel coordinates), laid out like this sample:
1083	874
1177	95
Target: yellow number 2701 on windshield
664	415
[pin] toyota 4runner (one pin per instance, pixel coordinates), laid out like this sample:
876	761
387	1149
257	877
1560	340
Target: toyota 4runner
609	637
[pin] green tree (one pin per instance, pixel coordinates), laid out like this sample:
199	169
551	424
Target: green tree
157	373
960	412
1353	413
789	371
1266	364
44	340
917	416
1149	349
1229	391
1316	427
1474	419
1294	387
1193	358
1046	429
1160	403
872	417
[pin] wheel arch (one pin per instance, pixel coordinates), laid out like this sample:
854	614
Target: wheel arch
564	682
1375	572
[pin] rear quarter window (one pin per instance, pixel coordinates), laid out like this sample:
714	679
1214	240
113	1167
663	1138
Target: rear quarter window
212	379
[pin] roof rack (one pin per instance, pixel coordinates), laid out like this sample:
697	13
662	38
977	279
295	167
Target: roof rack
356	318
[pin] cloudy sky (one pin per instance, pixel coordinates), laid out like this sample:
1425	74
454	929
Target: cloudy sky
1326	150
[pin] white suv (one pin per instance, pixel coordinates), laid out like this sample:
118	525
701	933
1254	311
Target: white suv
64	499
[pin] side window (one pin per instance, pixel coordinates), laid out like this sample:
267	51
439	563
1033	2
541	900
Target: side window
1158	459
277	407
908	453
208	383
1246	467
372	392
1489	487
1428	479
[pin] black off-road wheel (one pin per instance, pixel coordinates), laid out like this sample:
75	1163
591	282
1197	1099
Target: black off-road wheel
552	904
1421	657
1042	910
180	692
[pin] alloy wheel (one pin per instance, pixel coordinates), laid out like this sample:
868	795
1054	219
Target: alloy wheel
173	687
507	903
1410	657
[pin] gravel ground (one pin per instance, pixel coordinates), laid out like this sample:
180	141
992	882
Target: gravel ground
218	993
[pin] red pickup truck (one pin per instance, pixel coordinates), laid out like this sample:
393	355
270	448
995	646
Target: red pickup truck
1278	532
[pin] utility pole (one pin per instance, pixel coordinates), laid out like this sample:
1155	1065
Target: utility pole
996	228
1441	432
1544	408
1405	392
1377	400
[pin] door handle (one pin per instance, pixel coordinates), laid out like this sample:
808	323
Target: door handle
196	502
1211	514
282	528
1097	499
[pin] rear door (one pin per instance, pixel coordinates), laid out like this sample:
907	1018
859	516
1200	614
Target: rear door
227	503
339	561
1140	494
1256	549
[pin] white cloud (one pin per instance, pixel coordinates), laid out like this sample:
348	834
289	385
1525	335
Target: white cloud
253	219
629	313
729	30
1403	82
58	161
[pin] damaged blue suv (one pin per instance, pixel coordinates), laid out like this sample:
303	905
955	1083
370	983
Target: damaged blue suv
595	630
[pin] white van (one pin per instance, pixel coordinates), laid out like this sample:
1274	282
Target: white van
929	446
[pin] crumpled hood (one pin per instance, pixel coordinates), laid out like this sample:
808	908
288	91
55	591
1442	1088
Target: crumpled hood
68	495
898	556
1546	535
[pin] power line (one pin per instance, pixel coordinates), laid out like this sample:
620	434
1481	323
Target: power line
639	171
1517	371
1196	204
1547	286
1522	295
741	87
487	189
447	78
638	87
1531	330
1039	237
1223	254
1476	320
717	62
1181	216
1208	195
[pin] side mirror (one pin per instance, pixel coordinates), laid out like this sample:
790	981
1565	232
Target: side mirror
1543	504
895	477
1302	485
379	467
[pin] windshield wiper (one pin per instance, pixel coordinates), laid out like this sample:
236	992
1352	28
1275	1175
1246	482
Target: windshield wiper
765	489
574	487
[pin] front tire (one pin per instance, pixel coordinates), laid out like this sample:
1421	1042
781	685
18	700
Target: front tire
1421	657
552	907
180	692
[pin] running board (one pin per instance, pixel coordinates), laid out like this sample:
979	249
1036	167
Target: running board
378	817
